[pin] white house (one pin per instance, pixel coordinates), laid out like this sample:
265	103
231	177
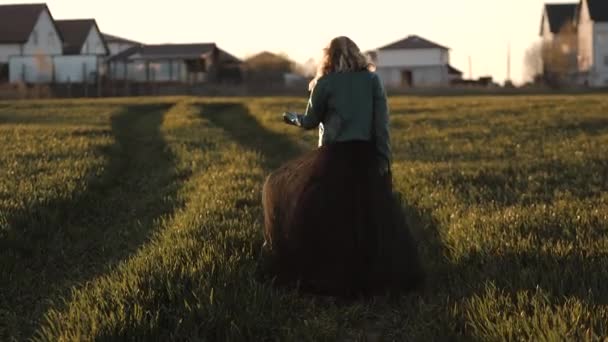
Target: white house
592	23
29	30
589	51
84	51
35	48
414	62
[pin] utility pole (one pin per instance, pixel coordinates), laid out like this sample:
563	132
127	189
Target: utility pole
470	68
509	62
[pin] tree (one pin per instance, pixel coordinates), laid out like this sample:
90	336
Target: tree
533	62
554	62
268	67
560	56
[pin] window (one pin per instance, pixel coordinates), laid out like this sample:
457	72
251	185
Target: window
35	37
51	38
606	60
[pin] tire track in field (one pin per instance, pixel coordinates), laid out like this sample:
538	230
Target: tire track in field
236	120
63	243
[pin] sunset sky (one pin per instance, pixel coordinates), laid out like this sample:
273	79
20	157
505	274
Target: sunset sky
481	29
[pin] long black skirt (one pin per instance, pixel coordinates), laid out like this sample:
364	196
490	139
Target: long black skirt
333	225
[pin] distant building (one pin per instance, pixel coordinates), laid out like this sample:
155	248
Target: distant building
28	32
35	48
181	63
592	23
84	51
414	62
579	31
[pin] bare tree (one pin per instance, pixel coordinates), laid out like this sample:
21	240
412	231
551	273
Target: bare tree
560	56
533	62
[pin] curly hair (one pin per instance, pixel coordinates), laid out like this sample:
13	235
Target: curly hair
341	55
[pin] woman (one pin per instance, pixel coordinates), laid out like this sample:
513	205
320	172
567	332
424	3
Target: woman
332	224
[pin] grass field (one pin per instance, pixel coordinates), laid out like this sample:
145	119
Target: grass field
141	219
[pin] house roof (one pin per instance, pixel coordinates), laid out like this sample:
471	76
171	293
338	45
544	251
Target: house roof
115	39
598	9
75	33
413	42
559	15
226	57
182	51
453	71
17	22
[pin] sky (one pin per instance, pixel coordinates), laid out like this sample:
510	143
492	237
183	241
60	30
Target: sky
481	30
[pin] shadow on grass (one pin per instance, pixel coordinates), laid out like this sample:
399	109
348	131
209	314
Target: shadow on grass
242	127
52	247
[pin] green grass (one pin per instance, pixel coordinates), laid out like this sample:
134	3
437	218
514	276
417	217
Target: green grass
141	219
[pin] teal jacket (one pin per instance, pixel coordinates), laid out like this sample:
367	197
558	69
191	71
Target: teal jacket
342	105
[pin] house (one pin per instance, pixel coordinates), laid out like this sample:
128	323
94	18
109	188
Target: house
592	23
28	32
575	41
414	62
36	48
82	37
189	63
118	44
84	51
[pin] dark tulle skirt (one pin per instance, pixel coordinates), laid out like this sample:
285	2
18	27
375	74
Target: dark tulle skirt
333	225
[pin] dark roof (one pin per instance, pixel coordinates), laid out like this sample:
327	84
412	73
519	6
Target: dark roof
453	71
115	39
183	51
413	42
559	15
17	22
598	10
225	57
126	53
75	33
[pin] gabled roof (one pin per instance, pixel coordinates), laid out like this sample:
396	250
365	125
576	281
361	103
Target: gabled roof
598	9
183	51
17	22
115	39
413	42
75	33
558	16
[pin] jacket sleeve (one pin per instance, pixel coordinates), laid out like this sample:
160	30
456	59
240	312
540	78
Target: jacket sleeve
381	120
316	108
